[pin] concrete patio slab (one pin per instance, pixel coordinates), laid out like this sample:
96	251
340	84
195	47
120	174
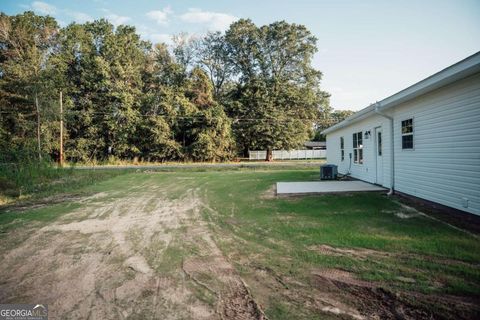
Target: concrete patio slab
325	187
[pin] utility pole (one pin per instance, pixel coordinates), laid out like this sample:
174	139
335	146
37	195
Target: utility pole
37	107
61	131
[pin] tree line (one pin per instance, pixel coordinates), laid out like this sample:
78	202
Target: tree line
208	98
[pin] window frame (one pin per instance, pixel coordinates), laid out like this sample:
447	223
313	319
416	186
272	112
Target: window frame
342	148
379	140
357	148
407	134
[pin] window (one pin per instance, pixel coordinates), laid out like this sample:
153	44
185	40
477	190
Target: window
407	134
357	148
342	149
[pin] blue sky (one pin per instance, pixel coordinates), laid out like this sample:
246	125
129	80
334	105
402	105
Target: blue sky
368	49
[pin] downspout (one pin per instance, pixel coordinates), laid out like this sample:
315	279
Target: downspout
392	150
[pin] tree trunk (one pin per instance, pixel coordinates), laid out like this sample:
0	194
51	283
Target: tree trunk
269	155
245	152
37	107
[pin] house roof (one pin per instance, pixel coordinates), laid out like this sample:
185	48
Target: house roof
457	71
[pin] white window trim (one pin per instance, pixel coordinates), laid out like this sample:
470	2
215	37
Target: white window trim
358	163
412	134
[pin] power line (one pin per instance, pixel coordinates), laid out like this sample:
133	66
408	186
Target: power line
286	117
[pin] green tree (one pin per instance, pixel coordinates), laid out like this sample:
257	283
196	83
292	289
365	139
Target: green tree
211	54
26	44
104	68
210	133
278	96
182	116
124	97
161	104
328	119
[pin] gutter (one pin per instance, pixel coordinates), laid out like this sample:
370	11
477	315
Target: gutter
392	150
457	71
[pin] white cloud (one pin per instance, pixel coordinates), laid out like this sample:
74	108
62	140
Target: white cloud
62	23
160	38
160	16
148	33
79	17
213	20
117	20
43	8
114	18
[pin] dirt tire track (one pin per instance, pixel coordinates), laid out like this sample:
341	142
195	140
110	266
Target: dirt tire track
234	299
96	263
85	265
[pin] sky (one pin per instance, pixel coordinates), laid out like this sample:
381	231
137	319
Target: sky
367	49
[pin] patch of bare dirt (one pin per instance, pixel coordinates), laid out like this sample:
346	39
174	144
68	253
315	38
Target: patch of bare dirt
406	212
211	270
288	290
403	215
372	302
341	294
364	253
360	253
112	259
270	193
340	275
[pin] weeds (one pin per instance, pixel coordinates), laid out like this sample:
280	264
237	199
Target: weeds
23	176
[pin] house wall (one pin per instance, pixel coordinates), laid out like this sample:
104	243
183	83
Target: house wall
444	165
367	170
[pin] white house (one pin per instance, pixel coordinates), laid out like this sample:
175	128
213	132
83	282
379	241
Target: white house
422	141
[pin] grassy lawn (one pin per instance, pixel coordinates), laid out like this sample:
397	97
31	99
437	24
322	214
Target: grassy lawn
32	183
296	254
293	236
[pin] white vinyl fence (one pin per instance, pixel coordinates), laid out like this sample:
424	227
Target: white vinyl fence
288	154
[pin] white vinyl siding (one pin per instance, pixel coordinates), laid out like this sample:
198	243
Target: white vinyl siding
444	165
367	170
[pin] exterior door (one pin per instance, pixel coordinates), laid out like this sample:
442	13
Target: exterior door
379	155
